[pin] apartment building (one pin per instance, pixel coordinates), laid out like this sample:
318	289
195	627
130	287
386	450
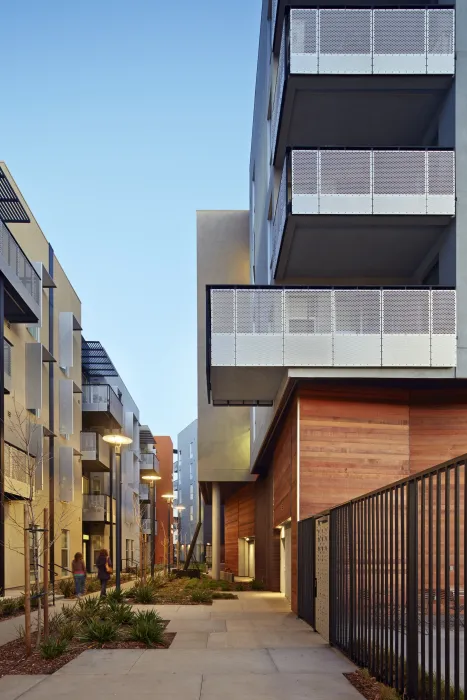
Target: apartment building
164	510
40	414
332	315
148	487
108	406
186	491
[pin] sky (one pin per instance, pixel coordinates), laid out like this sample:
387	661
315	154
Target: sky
119	120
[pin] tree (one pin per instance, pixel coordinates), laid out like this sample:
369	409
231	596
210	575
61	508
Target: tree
23	468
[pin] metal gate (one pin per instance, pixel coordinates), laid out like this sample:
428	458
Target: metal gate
306	570
322	578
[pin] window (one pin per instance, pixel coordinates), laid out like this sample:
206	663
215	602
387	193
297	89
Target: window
191	450
191	470
191	513
97	543
191	492
65	560
129	553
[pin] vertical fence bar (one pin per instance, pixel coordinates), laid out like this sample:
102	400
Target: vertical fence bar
358	657
352	574
366	601
430	586
447	587
377	623
386	587
391	583
396	602
373	587
456	585
403	592
412	590
465	556
422	586
438	586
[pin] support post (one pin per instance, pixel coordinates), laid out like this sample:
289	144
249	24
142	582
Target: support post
27	586
118	553
113	460
2	437
46	573
168	537
412	591
152	493
216	531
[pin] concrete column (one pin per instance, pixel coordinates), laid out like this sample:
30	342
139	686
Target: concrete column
216	530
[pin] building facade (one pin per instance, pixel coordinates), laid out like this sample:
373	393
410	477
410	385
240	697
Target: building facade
164	510
186	490
334	341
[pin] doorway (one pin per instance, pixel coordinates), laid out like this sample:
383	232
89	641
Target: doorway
286	561
246	557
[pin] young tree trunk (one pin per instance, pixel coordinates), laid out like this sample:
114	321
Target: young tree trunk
27	588
46	573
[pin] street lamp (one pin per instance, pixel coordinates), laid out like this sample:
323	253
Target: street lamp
152	478
170	499
117	440
179	529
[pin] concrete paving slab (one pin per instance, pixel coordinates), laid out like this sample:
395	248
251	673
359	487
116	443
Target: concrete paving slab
274	622
119	687
300	686
98	662
265	639
190	640
205	661
12	687
183	625
314	660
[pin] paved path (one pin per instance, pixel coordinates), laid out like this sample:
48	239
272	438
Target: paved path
251	648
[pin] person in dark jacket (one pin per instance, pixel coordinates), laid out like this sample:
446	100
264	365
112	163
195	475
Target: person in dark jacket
104	570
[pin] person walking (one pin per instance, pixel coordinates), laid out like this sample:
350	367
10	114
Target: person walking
78	568
104	570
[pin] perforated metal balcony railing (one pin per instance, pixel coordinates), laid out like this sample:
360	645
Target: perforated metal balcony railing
364	182
331	327
356	41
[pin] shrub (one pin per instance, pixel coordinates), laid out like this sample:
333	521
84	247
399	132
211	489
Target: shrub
93	585
99	631
201	596
121	613
66	586
115	596
62	627
220	595
148	628
10	606
53	647
144	594
88	609
257	585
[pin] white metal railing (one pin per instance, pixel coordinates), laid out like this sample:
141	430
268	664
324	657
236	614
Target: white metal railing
307	327
351	41
88	442
378	41
19	263
7	357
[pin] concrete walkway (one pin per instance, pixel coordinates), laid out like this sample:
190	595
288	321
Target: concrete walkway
251	648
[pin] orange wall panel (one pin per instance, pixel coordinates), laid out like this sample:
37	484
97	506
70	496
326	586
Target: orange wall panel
164	448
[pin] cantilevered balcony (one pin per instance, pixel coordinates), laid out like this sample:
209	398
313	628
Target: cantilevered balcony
96	508
22	283
95	453
149	464
390	205
360	77
101	407
256	332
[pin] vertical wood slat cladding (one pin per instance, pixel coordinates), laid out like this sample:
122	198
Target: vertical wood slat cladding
352	440
267	539
239	522
283	468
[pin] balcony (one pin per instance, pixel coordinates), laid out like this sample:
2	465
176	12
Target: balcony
144	496
95	453
7	367
96	508
22	283
393	205
101	407
256	332
389	68
149	464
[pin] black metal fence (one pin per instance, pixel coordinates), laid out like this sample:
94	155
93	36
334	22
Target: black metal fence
397	581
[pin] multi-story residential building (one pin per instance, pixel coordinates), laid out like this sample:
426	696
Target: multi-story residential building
164	487
108	405
186	491
149	467
40	415
336	308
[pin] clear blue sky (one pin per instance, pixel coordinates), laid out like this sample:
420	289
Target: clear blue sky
119	120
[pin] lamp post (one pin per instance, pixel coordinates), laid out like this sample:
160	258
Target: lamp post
179	508
152	478
117	440
170	499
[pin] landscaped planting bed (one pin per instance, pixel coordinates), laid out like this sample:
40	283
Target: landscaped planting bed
91	623
181	591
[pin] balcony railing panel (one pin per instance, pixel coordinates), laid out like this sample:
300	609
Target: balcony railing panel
19	263
102	398
7	357
96	508
306	327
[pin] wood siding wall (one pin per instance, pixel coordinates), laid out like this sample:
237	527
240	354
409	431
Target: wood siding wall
267	538
239	522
